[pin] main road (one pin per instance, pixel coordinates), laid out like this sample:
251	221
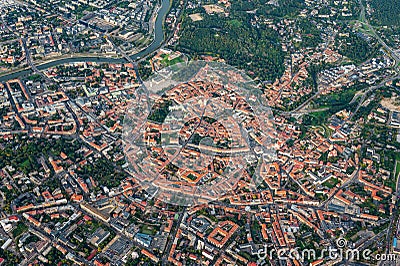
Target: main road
389	49
159	39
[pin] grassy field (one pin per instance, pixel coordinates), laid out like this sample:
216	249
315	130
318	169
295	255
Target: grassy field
148	229
397	171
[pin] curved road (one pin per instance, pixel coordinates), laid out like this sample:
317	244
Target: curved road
159	38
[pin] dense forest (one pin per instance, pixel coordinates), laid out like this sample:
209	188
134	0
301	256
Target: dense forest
386	12
238	39
356	47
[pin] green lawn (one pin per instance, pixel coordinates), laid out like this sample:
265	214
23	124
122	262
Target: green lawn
331	183
148	229
397	169
174	61
21	228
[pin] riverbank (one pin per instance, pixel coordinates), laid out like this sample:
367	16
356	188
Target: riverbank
159	38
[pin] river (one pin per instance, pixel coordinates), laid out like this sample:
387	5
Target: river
159	37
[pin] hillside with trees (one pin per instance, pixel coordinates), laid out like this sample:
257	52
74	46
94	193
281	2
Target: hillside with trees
385	12
239	38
